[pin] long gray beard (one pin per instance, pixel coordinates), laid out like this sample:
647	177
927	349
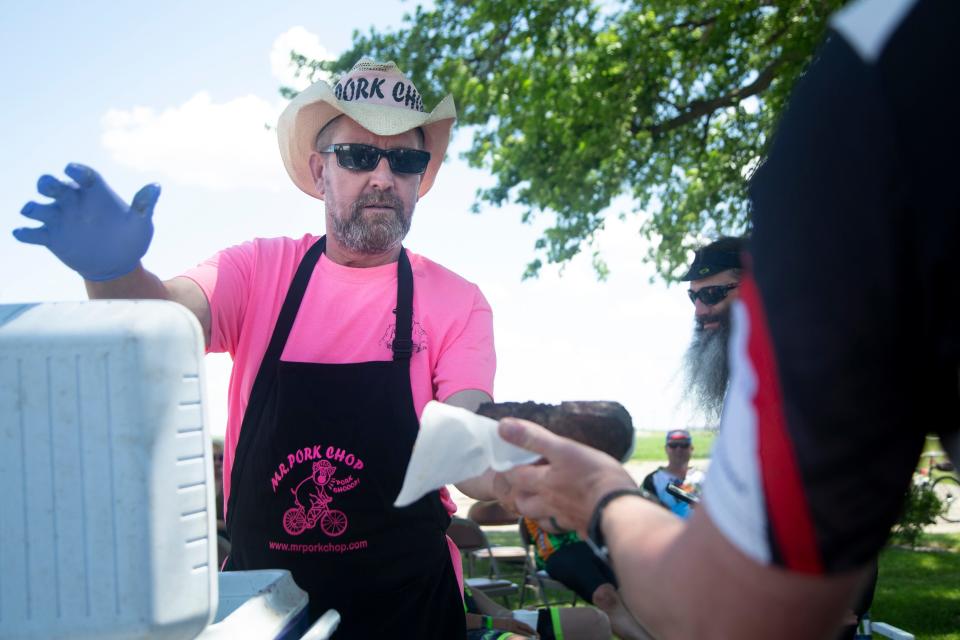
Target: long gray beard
706	372
375	236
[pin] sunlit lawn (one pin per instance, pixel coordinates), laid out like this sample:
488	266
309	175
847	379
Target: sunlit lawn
650	445
919	591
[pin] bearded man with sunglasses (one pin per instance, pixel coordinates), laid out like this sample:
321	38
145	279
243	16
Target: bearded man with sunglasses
338	342
714	278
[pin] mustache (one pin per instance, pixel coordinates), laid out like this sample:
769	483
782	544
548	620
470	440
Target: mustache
722	318
377	199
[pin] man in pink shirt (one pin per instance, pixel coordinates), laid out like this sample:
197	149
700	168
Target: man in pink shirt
338	343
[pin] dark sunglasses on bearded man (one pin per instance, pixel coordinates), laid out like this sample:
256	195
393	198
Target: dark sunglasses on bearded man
365	157
712	295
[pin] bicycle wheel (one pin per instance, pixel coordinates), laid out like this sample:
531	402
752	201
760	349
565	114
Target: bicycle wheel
333	522
947	489
294	521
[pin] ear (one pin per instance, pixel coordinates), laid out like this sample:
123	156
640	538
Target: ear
317	167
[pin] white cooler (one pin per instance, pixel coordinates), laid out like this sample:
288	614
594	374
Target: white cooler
261	605
106	483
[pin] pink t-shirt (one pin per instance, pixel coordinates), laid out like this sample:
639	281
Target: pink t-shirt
346	316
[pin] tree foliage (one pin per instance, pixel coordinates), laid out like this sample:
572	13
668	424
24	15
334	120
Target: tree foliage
921	508
576	102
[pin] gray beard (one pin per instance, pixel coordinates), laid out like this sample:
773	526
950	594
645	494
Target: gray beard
372	236
705	370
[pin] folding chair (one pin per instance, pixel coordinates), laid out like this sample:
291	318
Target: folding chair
538	579
473	544
869	629
492	514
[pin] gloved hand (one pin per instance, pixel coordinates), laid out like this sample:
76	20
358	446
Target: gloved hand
88	226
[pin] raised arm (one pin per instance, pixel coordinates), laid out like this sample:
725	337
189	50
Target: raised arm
97	234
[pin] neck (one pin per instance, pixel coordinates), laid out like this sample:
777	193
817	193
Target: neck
679	470
336	252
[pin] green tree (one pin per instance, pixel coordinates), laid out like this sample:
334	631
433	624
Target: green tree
575	102
921	508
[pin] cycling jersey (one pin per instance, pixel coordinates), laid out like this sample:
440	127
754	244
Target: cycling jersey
545	543
656	482
846	335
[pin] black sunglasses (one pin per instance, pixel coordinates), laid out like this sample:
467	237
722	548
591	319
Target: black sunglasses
712	295
365	157
679	445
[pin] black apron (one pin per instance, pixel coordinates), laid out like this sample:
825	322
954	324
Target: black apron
320	459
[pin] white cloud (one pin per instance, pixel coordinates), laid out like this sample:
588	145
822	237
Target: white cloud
201	142
573	338
215	145
302	41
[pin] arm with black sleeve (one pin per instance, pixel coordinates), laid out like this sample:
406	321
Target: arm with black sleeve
844	352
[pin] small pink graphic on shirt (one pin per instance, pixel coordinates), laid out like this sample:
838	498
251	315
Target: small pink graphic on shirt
311	502
418	337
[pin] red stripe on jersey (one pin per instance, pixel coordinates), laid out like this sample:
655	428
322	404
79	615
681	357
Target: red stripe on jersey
787	508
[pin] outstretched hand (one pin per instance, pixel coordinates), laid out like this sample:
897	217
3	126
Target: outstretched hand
569	480
88	227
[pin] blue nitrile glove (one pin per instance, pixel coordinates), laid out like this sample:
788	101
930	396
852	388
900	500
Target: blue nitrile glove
88	226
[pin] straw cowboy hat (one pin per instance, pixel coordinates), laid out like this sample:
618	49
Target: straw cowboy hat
379	98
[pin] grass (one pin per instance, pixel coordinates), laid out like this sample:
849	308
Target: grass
942	541
650	445
504	538
919	591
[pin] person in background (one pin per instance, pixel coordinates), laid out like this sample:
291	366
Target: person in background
223	539
714	278
486	620
584	580
678	472
568	559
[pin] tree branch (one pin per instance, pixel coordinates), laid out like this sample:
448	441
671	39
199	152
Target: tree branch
483	65
700	108
693	24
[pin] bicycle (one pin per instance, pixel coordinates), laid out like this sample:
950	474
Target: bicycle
296	520
946	485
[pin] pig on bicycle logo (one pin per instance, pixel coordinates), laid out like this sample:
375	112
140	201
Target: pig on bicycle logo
311	502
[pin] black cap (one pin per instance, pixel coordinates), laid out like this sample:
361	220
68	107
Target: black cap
715	257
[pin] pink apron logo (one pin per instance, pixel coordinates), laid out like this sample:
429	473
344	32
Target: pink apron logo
312	503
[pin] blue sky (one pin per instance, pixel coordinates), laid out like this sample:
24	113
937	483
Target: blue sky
179	92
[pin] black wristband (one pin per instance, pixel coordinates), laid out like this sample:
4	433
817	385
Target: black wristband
594	531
